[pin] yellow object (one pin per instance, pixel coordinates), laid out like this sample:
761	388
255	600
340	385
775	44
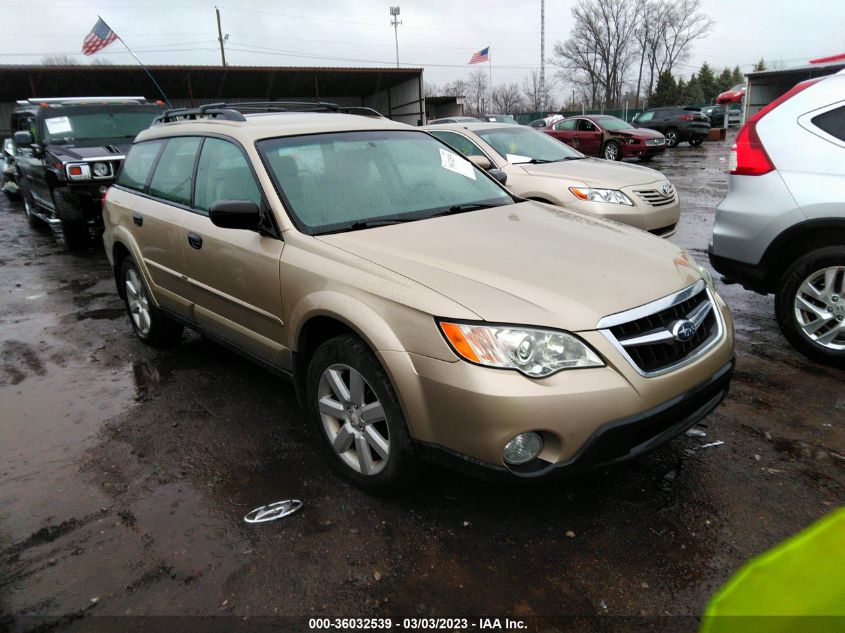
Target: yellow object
797	587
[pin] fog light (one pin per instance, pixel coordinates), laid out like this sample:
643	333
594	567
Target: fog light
523	448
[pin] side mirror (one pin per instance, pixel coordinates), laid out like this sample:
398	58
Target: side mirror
482	162
235	214
23	138
499	175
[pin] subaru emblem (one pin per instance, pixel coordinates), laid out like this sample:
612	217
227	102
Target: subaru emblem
666	189
683	330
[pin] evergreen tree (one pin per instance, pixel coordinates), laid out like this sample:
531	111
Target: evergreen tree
760	66
692	93
709	84
738	76
726	80
666	93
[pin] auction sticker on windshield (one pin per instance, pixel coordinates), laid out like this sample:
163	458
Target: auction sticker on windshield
455	163
58	125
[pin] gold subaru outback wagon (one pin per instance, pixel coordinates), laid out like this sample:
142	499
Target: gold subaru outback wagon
424	313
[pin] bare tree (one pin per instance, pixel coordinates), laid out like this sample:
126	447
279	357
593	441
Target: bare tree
685	24
507	99
535	99
477	91
59	60
458	88
432	90
599	50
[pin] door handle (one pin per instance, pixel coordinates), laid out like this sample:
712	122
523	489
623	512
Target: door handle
195	240
138	219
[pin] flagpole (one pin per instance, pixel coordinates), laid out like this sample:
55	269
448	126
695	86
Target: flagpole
490	64
146	70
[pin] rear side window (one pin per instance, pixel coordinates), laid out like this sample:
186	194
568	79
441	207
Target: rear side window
174	173
645	117
138	164
224	174
832	122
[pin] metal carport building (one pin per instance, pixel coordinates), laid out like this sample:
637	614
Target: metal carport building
767	85
396	93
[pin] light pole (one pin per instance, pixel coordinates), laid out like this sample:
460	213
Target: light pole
395	21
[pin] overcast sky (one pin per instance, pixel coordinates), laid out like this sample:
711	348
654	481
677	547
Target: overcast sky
439	35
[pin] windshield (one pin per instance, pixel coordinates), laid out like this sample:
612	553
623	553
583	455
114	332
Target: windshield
106	124
524	144
612	123
352	180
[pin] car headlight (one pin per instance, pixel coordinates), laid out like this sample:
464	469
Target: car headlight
613	196
533	352
101	170
705	274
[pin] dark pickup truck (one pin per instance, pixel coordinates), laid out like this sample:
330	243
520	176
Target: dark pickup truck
68	151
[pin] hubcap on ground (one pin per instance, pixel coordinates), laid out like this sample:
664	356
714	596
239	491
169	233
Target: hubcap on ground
139	305
353	419
820	307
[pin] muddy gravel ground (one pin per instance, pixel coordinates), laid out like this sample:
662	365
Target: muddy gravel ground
125	473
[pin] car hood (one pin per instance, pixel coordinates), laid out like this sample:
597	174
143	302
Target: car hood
83	152
596	172
528	263
637	132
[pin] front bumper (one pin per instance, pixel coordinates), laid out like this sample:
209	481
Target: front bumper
639	150
586	416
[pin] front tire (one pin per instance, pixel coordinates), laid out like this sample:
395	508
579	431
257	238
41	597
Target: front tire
611	151
74	228
810	305
149	323
672	137
357	414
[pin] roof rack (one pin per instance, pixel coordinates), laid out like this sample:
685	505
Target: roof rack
235	111
80	100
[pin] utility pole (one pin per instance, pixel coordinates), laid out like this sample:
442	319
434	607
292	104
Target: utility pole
395	21
220	37
542	54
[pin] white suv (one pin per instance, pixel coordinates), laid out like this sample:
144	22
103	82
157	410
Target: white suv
781	227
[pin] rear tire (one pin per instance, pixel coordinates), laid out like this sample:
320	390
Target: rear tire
672	137
810	305
357	414
695	142
74	227
29	207
149	323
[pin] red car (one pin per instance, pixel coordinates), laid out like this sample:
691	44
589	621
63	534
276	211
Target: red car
734	95
608	137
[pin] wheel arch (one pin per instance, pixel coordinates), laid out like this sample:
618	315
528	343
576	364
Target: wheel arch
799	240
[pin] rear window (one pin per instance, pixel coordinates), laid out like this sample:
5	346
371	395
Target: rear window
138	164
832	122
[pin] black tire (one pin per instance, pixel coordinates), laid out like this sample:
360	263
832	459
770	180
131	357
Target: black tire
29	207
74	233
673	137
785	310
13	197
611	151
695	142
161	330
401	466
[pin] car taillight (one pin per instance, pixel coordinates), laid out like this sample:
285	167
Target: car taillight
686	117
748	156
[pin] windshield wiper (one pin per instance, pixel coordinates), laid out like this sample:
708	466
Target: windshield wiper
369	224
463	208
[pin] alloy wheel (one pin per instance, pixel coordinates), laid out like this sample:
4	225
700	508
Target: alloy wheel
353	419
819	307
139	304
611	151
671	138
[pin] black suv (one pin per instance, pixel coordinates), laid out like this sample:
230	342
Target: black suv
68	151
677	124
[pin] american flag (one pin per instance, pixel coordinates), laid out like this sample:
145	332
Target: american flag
481	56
99	37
